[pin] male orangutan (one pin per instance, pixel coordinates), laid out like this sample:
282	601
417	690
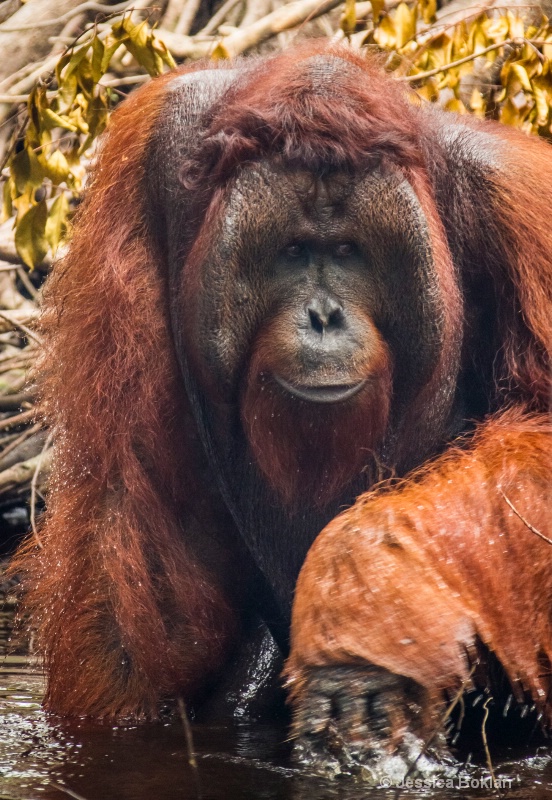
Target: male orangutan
289	280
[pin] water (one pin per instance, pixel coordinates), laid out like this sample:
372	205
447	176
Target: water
49	758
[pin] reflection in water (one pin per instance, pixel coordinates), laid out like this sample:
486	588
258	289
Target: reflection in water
149	762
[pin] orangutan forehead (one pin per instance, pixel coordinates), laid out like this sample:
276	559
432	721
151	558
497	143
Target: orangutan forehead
320	194
271	194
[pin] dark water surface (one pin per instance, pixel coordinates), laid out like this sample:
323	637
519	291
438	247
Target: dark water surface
43	757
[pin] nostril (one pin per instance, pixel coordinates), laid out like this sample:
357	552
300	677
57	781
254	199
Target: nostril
335	317
324	314
317	320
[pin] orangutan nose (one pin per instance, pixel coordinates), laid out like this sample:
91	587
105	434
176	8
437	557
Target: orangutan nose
325	314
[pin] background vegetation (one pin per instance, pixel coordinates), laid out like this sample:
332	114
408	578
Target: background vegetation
66	64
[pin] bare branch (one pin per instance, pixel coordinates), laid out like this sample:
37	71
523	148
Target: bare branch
74	12
15	319
242	39
525	522
219	17
187	17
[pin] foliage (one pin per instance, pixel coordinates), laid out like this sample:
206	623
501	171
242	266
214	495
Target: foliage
493	64
46	171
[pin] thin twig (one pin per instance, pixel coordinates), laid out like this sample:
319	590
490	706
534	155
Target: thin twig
525	522
218	18
431	72
486	744
192	760
18	98
19	439
128	79
17	362
242	39
438	727
23	328
187	17
21	73
18	419
14	402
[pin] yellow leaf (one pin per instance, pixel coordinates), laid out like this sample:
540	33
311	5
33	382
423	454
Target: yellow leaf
428	9
377	8
477	103
521	74
26	171
77	55
516	26
30	239
405	24
98	50
67	91
20	170
161	48
56	224
50	119
112	44
510	115
455	105
496	29
429	91
7	197
23	202
477	37
57	168
219	52
385	35
542	104
349	17
139	42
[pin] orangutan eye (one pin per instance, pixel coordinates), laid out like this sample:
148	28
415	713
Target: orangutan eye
344	249
295	250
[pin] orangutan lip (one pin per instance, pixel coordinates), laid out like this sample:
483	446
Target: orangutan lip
321	394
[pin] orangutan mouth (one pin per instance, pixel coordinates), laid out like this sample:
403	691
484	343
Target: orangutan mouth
321	393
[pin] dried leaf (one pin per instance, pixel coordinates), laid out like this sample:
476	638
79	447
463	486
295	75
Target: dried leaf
428	9
138	40
385	34
405	24
349	17
30	239
377	8
56	224
57	168
98	53
7	197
